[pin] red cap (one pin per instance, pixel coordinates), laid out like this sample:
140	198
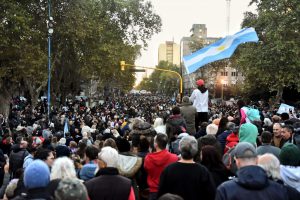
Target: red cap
200	82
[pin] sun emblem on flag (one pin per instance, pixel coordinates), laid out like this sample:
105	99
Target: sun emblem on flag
221	48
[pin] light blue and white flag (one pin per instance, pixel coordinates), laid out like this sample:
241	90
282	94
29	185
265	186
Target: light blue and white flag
66	127
284	108
219	50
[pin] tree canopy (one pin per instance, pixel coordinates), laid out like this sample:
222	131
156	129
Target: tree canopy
90	38
274	62
162	82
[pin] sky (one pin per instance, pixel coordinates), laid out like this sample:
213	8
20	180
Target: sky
178	16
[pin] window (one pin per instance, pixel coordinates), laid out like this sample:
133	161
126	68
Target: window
233	73
224	73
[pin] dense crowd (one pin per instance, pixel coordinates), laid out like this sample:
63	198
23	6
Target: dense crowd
149	147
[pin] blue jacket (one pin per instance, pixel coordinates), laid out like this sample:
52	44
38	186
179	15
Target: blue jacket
222	139
252	183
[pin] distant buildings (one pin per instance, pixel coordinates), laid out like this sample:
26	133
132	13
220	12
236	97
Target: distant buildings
170	52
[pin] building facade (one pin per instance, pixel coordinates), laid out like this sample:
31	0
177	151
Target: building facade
170	52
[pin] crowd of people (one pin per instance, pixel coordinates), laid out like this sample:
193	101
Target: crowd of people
149	147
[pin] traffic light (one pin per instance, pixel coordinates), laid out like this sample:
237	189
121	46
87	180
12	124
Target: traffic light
122	63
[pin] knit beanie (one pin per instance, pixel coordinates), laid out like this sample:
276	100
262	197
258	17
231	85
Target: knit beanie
248	133
36	175
71	189
290	155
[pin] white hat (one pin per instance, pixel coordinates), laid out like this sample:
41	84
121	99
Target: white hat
62	141
109	155
19	128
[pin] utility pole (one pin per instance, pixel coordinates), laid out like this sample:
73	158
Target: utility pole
227	16
50	32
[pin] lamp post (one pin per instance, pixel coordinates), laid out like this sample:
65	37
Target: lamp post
222	89
123	65
50	31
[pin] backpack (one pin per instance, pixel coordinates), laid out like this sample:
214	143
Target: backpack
16	161
253	114
229	162
174	148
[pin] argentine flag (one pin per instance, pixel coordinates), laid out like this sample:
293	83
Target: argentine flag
66	127
219	50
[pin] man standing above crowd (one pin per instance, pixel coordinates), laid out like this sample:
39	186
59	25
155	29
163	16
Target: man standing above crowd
156	162
199	98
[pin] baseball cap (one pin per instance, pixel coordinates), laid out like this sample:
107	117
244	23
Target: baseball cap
200	82
245	150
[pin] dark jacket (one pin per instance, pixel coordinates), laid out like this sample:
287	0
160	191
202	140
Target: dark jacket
191	181
280	145
222	138
36	193
108	184
189	113
252	183
268	148
175	125
16	158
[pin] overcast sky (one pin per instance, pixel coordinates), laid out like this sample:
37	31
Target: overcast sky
178	16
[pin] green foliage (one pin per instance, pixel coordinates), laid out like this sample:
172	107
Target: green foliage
90	38
162	82
274	62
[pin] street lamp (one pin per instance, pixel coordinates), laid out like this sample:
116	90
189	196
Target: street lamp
222	88
50	32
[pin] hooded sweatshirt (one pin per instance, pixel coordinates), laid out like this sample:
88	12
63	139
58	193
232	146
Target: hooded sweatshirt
252	183
291	176
248	133
154	164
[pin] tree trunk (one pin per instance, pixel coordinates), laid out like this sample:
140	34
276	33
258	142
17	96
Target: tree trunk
279	95
4	102
34	92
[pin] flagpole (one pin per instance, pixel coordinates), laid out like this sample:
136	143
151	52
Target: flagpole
192	85
50	31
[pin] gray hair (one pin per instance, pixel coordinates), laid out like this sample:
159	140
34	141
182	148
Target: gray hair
62	168
230	126
109	155
188	147
158	122
211	129
271	165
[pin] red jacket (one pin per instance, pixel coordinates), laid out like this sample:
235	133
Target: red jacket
231	141
154	164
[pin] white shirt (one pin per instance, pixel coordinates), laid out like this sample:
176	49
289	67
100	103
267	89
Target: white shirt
200	100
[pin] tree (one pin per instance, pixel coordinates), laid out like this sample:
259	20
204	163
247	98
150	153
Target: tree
90	38
22	52
274	62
